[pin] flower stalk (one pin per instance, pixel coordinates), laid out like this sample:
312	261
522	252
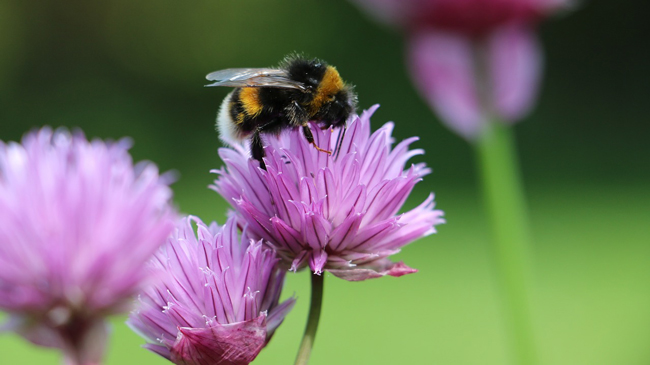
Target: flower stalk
506	208
315	306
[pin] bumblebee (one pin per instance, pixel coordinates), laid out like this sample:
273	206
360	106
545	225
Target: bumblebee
267	101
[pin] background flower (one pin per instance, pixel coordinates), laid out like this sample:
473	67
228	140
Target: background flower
338	214
217	298
472	60
77	223
471	17
478	64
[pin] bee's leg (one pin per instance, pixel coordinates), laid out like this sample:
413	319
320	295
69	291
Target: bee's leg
310	138
257	149
339	141
297	114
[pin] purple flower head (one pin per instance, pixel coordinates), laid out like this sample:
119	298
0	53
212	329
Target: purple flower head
77	223
217	298
472	60
338	214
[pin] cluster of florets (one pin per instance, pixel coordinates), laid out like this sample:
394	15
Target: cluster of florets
335	214
218	297
77	223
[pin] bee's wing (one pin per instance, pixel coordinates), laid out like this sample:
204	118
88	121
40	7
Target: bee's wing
254	77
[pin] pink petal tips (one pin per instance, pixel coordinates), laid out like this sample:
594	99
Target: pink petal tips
332	213
77	223
217	300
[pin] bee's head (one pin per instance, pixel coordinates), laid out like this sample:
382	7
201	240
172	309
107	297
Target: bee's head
338	108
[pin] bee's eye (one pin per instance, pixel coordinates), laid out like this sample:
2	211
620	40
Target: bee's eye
331	98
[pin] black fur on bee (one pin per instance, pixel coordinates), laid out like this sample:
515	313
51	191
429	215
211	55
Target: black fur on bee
267	101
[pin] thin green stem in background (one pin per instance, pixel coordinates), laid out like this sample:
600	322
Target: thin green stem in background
506	208
312	322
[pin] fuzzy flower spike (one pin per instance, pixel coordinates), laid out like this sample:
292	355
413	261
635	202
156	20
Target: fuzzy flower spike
217	298
334	213
77	223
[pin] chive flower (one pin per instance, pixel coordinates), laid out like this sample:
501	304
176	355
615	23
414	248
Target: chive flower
473	61
216	300
335	213
77	223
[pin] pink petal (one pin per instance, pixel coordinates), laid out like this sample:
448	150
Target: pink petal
276	316
354	200
383	268
317	261
158	349
344	234
515	60
231	344
442	67
316	230
368	236
326	185
299	261
262	224
286	235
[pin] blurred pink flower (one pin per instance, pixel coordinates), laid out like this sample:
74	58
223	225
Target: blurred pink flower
217	298
472	17
77	224
338	214
472	60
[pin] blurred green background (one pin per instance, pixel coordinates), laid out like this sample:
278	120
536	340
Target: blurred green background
125	68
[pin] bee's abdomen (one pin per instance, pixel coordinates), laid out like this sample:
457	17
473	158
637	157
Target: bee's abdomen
249	99
236	107
227	120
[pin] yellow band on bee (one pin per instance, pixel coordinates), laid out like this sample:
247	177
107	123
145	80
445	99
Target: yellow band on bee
328	87
250	99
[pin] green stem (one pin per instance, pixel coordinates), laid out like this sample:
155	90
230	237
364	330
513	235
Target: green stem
504	198
312	321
